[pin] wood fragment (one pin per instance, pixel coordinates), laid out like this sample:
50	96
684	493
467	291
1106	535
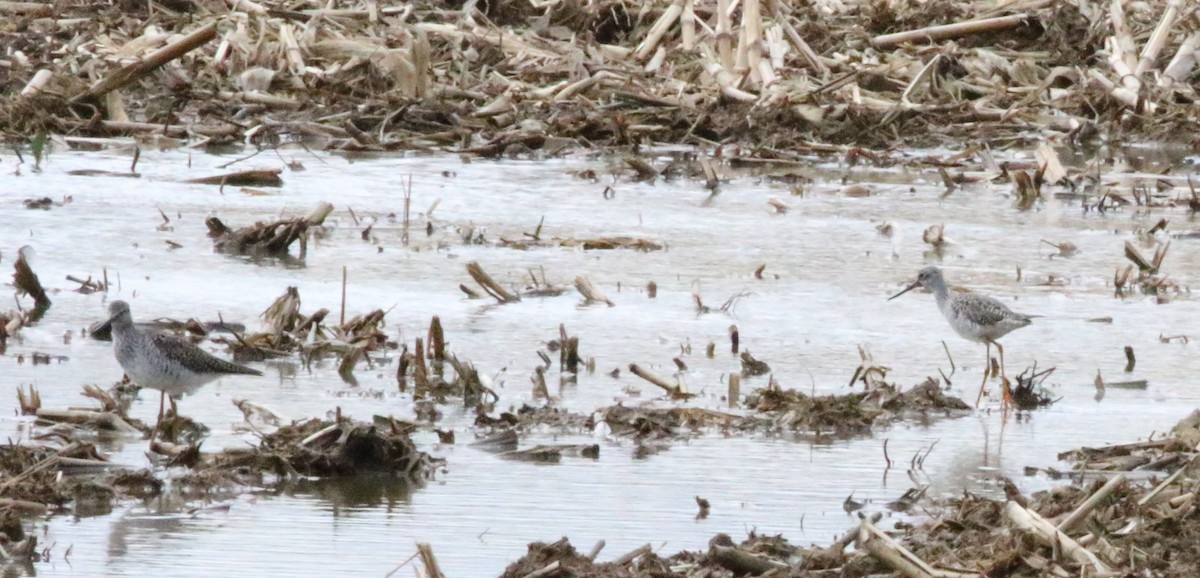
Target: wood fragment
248	178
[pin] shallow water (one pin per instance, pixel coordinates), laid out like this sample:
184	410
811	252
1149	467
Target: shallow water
828	275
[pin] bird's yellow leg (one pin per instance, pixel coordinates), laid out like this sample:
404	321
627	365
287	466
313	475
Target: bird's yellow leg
987	369
158	422
1004	379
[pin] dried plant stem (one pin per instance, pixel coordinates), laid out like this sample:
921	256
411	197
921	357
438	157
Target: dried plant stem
1080	513
1034	524
1122	38
892	552
490	285
687	25
26	8
342	315
949	31
659	29
591	293
647	375
38	82
724	36
725	79
1181	65
150	63
753	26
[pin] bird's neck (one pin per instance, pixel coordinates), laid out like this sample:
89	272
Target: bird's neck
121	329
941	293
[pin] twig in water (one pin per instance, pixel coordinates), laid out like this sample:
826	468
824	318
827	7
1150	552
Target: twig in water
490	285
536	235
425	551
407	205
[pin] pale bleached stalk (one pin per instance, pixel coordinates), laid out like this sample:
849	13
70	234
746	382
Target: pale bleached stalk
725	79
659	29
114	105
656	61
38	82
950	31
810	56
1034	524
292	52
1158	38
1122	36
894	554
724	35
1125	95
776	49
752	25
1182	63
1120	65
687	25
925	72
741	58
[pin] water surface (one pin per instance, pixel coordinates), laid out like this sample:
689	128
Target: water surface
828	275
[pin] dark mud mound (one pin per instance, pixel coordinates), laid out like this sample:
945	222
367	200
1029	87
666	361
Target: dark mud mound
332	448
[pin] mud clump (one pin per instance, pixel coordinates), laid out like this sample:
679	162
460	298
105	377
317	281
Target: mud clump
322	448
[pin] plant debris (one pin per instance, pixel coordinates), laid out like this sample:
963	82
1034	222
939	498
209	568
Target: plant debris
510	79
266	239
338	447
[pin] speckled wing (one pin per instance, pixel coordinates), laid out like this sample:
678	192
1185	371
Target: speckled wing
195	359
984	311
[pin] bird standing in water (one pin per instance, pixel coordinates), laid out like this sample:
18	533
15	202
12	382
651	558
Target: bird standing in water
164	362
975	317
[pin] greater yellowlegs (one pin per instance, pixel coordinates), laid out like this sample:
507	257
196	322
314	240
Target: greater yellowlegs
158	361
975	317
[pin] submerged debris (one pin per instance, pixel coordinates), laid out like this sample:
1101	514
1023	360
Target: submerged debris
27	283
266	239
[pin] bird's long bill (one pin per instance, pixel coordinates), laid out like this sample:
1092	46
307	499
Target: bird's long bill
906	289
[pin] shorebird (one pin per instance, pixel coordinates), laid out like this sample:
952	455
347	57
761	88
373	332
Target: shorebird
164	362
975	317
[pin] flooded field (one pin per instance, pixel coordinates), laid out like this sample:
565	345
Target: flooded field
828	274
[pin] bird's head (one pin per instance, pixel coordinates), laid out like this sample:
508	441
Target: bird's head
928	278
118	313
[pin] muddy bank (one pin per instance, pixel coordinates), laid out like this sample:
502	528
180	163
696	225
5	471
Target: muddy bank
496	78
1114	524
